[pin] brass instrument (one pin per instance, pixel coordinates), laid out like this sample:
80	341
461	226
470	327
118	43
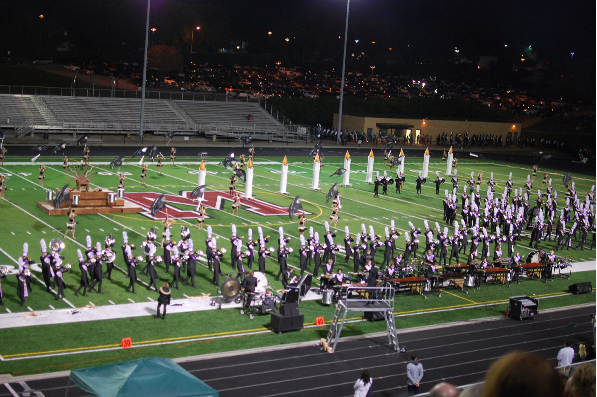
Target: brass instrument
57	245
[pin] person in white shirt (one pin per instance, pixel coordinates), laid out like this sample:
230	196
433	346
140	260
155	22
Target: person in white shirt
363	384
565	357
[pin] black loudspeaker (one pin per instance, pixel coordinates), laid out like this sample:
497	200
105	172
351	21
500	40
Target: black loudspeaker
289	309
292	296
374	316
281	323
297	321
580	288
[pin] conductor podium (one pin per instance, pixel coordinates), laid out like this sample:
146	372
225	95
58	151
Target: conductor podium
289	319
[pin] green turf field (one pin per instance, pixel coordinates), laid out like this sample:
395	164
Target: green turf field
22	221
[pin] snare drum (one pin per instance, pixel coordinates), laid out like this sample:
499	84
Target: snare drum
328	294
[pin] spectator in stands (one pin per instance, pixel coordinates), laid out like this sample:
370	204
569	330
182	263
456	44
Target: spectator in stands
363	384
521	374
414	372
444	389
565	357
582	382
582	352
250	117
472	391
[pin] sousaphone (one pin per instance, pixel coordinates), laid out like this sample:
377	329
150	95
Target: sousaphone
56	245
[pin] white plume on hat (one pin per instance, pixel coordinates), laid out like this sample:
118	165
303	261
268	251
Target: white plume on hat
250	234
472	174
364	228
302	238
437	227
125	238
327	226
208	231
233	230
44	247
346	230
88	239
510	177
316	237
167	234
80	255
387	232
411	225
98	247
175	252
310	231
392	225
426	223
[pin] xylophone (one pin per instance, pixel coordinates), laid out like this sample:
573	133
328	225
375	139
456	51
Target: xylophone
532	269
414	282
500	274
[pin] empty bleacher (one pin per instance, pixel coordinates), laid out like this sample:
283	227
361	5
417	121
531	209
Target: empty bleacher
115	114
72	114
16	109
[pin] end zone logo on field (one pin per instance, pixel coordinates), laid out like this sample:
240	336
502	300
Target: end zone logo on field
213	199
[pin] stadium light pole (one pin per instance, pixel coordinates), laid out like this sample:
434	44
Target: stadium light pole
338	136
144	81
193	37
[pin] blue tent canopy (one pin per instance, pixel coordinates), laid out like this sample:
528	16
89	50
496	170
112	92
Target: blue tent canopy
147	377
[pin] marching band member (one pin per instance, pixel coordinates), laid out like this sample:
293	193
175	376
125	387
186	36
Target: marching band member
516	259
317	250
347	241
183	245
59	279
262	253
151	268
209	249
97	270
250	248
387	253
131	265
356	251
84	280
303	253
215	259
191	265
167	245
390	272
329	267
248	285
339	277
110	256
239	262
286	279
176	266
22	291
46	269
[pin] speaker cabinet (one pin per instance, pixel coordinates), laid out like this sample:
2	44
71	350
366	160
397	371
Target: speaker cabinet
580	288
289	309
281	323
374	316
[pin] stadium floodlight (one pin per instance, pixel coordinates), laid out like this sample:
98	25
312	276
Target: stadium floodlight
143	82
339	134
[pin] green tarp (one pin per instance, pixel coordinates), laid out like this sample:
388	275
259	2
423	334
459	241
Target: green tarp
147	377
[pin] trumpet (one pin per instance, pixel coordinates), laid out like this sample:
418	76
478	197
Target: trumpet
138	259
3	271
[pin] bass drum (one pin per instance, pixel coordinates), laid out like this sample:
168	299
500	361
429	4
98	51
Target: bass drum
328	294
230	289
533	257
262	282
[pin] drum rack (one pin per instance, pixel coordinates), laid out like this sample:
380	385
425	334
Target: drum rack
380	299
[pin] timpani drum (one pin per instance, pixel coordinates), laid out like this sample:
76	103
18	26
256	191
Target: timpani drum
328	295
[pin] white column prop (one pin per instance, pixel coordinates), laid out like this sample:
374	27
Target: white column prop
249	183
370	160
426	163
401	165
316	171
449	164
284	176
201	179
202	173
346	175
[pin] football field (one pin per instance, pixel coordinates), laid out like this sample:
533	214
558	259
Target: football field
22	221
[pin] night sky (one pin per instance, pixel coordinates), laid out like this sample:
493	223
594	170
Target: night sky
425	28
